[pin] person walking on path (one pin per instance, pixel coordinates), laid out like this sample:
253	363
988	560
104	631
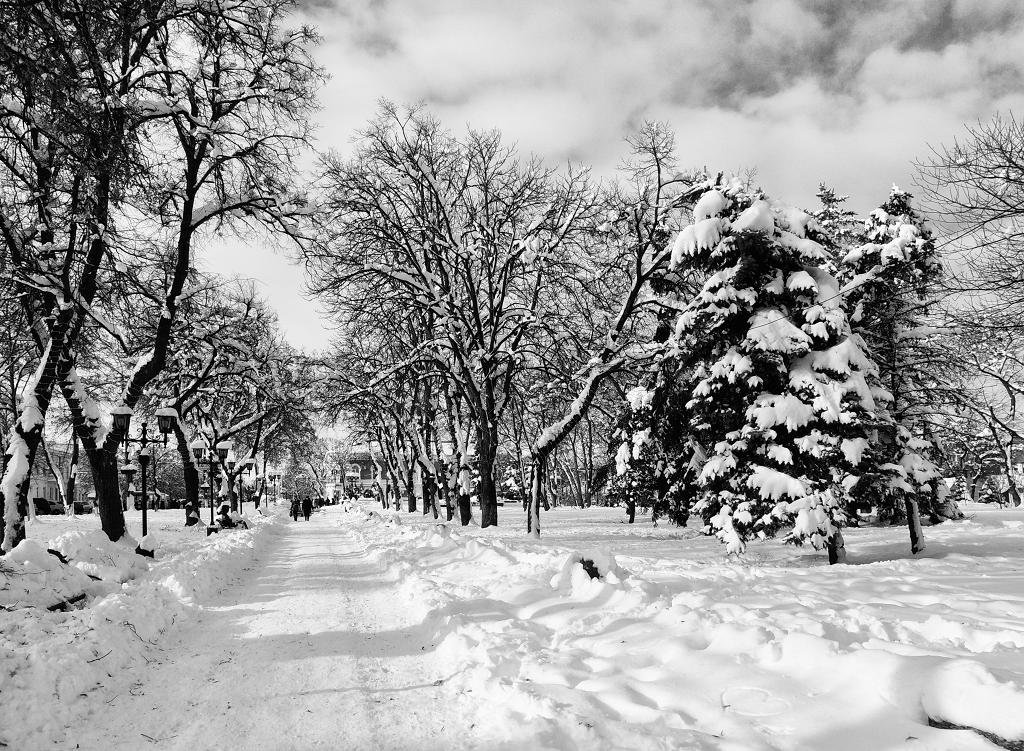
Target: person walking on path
295	509
307	507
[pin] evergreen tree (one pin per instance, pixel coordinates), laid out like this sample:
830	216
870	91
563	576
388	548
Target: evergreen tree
841	227
759	406
892	280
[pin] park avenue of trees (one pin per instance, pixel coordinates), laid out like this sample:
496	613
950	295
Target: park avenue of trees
668	338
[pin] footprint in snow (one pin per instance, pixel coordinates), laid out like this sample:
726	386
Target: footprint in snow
753	702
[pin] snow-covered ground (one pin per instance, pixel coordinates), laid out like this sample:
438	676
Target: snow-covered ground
60	670
363	630
676	647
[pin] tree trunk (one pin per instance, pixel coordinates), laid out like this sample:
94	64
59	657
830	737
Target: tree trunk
392	493
12	526
424	492
262	494
72	484
914	525
103	464
1012	490
537	467
58	480
463	499
836	548
190	474
21	454
410	488
445	489
487	492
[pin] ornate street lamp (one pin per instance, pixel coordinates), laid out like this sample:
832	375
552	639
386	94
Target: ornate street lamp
121	416
248	465
223	448
202	456
166	417
122	420
274	478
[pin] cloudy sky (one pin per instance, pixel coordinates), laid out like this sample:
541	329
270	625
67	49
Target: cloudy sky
846	91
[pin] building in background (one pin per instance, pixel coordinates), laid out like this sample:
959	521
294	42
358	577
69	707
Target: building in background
45	496
361	472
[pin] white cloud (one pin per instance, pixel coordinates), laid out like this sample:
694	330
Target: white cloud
570	79
801	90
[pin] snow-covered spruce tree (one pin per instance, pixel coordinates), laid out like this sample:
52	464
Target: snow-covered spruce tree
989	491
891	279
841	226
760	402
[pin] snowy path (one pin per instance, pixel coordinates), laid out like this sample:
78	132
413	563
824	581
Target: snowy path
312	649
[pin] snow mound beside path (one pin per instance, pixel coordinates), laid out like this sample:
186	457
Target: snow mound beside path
93	553
588	649
57	667
32	577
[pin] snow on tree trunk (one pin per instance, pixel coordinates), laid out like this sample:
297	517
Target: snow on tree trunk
836	548
58	479
72	483
537	472
21	451
18	460
914	526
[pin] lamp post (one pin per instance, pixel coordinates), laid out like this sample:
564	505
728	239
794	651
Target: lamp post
210	457
235	480
199	452
275	479
144	457
122	416
230	478
247	467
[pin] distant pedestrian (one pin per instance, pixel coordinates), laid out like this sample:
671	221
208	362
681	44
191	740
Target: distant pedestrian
307	507
295	509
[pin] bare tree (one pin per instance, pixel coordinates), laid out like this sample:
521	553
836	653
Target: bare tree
464	233
974	190
640	216
199	124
